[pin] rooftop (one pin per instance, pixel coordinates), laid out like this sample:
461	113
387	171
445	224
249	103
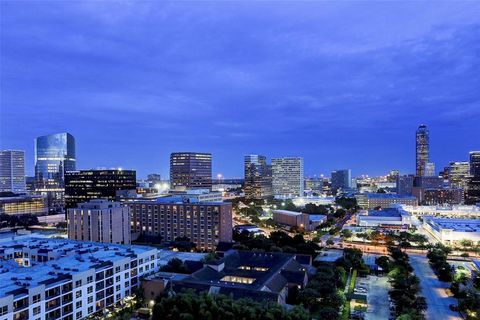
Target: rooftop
71	257
388	196
458	225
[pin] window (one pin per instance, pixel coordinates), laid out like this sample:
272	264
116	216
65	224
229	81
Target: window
36	298
78	283
78	315
36	310
89	279
238	279
3	310
117	269
78	304
90	299
90	289
78	294
90	309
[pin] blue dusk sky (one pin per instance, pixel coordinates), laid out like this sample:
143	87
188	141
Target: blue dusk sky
342	84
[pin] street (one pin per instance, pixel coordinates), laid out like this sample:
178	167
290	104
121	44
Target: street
433	290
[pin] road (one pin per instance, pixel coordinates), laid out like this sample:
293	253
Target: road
433	290
378	304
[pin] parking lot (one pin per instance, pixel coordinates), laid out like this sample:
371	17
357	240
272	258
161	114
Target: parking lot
377	298
433	290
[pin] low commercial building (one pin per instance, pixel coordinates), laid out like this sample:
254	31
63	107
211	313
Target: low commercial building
456	211
200	195
99	220
259	276
302	201
298	219
204	223
46	278
15	204
383	200
385	218
452	231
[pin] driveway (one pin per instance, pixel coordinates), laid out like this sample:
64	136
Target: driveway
433	290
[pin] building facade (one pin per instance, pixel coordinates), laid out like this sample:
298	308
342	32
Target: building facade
16	204
46	278
54	155
341	179
457	173
422	149
190	170
99	220
405	185
383	200
298	219
452	231
204	223
258	177
475	163
84	185
12	171
287	177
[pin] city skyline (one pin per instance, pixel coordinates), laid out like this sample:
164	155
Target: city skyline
135	85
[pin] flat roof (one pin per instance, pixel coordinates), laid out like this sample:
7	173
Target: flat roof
74	256
287	212
459	225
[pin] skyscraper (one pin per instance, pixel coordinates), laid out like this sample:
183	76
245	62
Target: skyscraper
190	170
12	171
457	173
287	176
54	155
422	144
84	185
341	179
258	178
472	193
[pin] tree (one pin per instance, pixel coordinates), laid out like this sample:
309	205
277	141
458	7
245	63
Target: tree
383	262
329	242
175	265
347	233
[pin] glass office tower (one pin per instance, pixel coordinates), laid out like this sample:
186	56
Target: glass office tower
190	170
258	177
12	171
54	155
422	148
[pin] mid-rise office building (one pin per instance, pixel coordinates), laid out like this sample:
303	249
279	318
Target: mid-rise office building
204	223
47	278
405	185
439	196
472	191
383	200
258	177
12	171
54	155
422	147
457	173
84	185
429	169
190	170
17	204
341	179
99	220
315	184
287	177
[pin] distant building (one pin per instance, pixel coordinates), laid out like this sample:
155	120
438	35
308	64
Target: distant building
47	278
99	220
199	195
475	163
454	211
297	219
54	155
341	179
315	184
190	170
287	176
457	174
84	185
452	231
16	204
154	178
429	169
387	217
204	223
405	185
12	171
258	177
422	146
439	196
260	276
383	200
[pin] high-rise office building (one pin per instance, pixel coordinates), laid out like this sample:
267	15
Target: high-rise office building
475	163
422	145
457	173
190	170
429	169
84	185
12	171
54	155
472	192
99	220
258	178
341	179
287	177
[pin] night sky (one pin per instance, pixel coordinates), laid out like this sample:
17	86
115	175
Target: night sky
343	85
